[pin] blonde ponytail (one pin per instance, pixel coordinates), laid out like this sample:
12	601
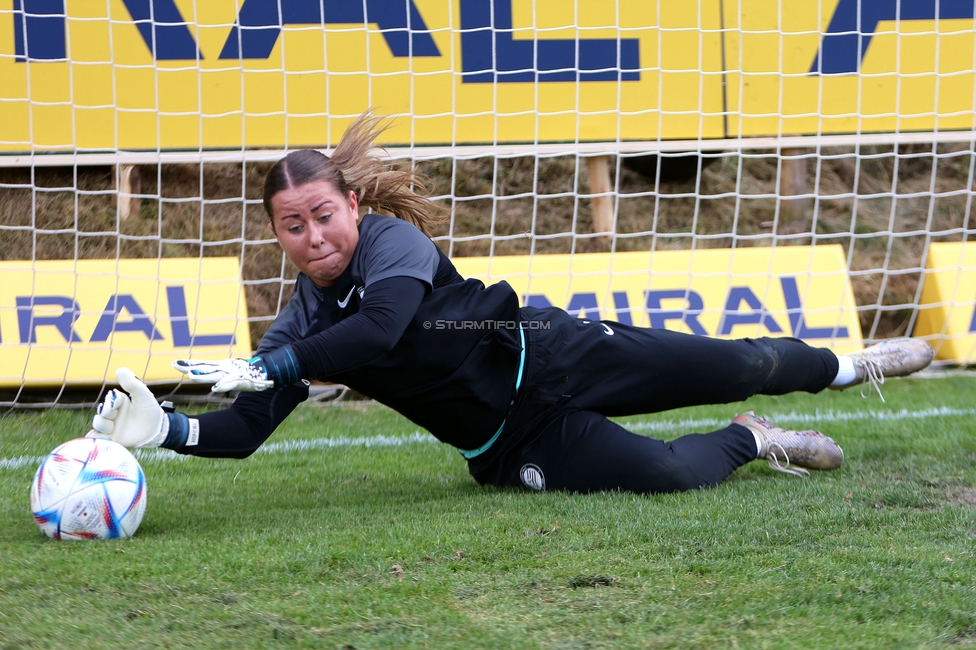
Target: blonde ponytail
379	185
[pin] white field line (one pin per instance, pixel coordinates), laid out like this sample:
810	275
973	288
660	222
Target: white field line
806	418
816	418
285	446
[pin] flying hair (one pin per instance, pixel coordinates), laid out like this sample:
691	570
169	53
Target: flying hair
379	184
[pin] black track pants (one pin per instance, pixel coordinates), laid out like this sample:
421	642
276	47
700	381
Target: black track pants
577	373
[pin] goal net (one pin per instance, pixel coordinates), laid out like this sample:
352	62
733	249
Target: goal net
724	160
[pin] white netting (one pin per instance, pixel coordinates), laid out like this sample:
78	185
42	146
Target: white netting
750	124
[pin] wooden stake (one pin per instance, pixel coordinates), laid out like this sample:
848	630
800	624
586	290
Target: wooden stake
129	187
599	173
793	182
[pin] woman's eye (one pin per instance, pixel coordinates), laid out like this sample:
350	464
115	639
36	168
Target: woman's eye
324	217
295	229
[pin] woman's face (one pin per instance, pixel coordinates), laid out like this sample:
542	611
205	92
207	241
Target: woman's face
316	227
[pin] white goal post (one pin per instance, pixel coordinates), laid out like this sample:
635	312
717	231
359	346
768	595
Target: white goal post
568	139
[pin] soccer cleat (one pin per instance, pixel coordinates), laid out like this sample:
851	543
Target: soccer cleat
790	451
891	358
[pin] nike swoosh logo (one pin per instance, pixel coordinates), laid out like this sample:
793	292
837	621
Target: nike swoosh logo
344	302
606	328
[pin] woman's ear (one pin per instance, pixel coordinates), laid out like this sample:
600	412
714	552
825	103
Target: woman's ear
355	207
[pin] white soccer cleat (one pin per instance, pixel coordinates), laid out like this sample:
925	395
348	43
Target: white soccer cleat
891	358
791	451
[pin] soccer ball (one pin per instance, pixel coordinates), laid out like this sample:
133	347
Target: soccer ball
89	488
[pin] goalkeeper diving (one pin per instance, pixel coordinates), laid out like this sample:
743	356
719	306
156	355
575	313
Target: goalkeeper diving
525	394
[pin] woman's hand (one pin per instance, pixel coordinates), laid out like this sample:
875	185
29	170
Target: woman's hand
247	375
133	420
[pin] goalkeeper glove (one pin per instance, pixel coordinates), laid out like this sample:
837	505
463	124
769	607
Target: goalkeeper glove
227	375
133	420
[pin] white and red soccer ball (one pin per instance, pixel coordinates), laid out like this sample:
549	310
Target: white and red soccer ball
89	488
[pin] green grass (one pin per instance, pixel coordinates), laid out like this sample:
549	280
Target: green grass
396	546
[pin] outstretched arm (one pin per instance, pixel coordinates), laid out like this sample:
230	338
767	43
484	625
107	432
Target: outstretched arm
387	309
132	417
384	315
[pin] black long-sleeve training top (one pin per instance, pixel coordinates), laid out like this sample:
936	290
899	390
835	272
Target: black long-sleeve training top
399	325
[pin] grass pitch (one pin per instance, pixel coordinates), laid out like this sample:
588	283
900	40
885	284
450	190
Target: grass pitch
352	530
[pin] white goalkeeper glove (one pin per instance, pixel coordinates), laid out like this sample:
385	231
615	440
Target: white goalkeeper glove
133	420
226	375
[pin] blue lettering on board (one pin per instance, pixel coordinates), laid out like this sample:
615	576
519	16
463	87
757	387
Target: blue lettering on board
163	29
794	308
583	305
109	321
180	324
63	322
39	30
537	300
489	50
260	21
39	27
854	22
659	317
731	316
580	305
490	53
622	305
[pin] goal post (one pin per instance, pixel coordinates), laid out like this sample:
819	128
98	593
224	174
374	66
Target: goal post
623	160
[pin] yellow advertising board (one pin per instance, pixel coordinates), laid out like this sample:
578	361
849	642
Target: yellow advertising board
226	74
848	66
947	312
64	322
800	291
